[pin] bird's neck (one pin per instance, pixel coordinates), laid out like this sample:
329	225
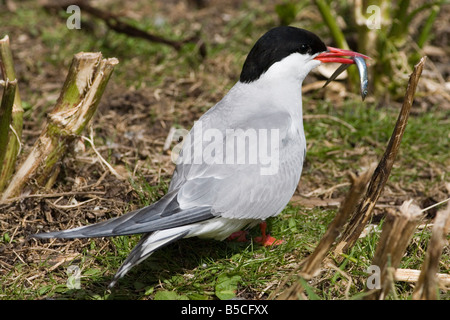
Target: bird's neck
274	94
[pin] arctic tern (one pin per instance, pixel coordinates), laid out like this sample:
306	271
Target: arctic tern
215	198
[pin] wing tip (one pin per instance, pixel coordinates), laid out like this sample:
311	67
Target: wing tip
64	234
45	235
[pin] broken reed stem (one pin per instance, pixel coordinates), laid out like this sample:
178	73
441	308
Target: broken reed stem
363	213
398	229
8	162
85	83
312	264
358	186
6	107
426	287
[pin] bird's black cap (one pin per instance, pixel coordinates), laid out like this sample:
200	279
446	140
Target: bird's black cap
275	45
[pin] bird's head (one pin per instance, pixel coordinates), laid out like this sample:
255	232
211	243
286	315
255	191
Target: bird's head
290	53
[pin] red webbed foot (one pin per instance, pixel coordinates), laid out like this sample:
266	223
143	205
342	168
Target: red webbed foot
266	239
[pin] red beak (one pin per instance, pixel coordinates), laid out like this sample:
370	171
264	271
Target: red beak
337	55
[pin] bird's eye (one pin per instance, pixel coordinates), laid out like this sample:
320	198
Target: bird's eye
304	48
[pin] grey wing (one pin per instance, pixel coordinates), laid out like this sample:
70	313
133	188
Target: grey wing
244	190
163	214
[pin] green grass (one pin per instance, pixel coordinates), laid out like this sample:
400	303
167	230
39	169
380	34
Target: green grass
425	140
194	268
200	269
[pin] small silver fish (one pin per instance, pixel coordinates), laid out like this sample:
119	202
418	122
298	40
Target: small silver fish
363	74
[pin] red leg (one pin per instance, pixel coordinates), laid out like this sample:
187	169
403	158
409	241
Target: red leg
265	239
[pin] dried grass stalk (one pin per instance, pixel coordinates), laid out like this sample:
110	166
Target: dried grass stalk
397	232
357	189
363	213
312	264
81	93
8	162
427	285
5	117
412	275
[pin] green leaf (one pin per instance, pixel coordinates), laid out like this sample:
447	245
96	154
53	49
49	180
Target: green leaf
169	295
6	238
292	224
149	290
92	272
43	290
309	290
197	296
226	286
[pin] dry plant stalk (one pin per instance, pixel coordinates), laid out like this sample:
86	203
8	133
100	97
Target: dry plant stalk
358	186
8	159
5	117
412	275
313	262
80	95
363	213
397	232
426	288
